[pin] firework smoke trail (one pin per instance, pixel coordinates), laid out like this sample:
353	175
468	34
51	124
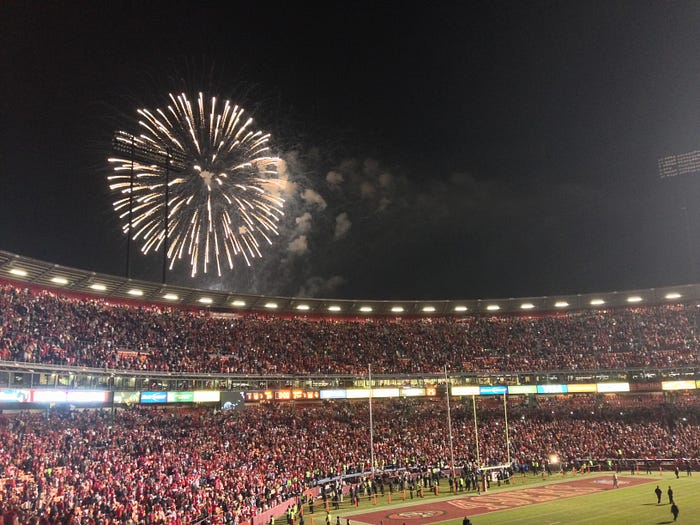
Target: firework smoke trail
223	190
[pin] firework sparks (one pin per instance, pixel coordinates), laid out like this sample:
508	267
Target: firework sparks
216	174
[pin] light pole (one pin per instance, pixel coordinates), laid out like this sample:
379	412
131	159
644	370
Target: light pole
137	150
449	427
476	433
371	423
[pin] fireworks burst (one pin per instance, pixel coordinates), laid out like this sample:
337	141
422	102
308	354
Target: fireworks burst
214	171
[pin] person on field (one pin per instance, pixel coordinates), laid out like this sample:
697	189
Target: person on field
670	494
658	493
674	511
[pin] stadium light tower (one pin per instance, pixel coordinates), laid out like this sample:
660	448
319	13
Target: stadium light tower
137	150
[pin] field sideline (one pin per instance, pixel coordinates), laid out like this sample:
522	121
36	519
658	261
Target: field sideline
581	499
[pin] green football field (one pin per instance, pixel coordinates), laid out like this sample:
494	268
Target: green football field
634	502
626	505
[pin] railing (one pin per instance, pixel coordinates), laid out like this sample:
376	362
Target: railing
32	374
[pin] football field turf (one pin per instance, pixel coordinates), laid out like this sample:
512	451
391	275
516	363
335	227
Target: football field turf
582	499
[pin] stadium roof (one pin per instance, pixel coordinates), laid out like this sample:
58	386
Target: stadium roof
43	274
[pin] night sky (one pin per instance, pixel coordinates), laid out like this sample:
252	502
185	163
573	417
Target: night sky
457	150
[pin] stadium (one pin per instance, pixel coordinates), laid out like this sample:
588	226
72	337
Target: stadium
128	401
349	263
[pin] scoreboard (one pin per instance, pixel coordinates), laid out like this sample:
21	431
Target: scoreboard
683	164
281	395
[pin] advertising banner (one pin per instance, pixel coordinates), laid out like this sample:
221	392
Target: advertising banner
333	394
493	390
551	389
126	398
154	397
522	389
12	395
466	391
180	397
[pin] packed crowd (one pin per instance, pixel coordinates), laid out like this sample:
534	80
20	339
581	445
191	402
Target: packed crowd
41	326
177	466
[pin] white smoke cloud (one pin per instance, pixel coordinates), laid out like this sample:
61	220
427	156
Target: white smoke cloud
299	246
342	225
334	178
326	201
320	287
303	223
313	197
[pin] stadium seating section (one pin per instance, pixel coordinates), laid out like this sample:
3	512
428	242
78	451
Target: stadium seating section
178	465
